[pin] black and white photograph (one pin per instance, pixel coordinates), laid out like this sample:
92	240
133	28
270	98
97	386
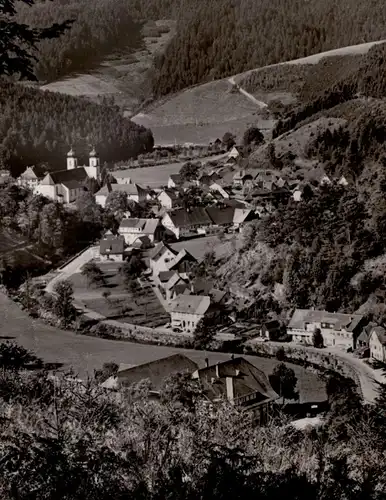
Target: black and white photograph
192	250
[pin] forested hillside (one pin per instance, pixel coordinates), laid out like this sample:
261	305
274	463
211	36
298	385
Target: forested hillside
38	126
223	37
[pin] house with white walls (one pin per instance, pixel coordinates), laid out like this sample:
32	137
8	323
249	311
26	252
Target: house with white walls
377	344
187	310
133	192
135	229
161	257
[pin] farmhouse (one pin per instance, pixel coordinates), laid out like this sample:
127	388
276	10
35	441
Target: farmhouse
184	223
134	192
168	198
336	328
155	371
31	177
187	310
221	217
160	258
134	229
240	383
112	248
377	343
66	185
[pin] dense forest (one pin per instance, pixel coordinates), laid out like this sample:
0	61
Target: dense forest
38	126
74	440
223	37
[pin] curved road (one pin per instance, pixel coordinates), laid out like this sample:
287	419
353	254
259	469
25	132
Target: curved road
85	354
249	96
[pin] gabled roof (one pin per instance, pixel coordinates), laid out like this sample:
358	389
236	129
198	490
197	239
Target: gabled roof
197	216
247	380
190	304
112	245
183	255
34	172
155	371
164	276
72	184
130	189
380	332
340	321
159	249
75	174
176	178
241	215
169	192
221	216
146	226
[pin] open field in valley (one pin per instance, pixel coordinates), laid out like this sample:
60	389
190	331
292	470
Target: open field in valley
86	354
142	309
152	177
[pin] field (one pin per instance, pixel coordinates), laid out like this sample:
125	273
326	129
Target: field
123	77
152	177
202	114
142	309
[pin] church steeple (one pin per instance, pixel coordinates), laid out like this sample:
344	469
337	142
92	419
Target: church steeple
72	160
93	169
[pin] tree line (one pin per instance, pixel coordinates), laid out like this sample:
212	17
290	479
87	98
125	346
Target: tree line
40	127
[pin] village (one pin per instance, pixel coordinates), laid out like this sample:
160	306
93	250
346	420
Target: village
176	224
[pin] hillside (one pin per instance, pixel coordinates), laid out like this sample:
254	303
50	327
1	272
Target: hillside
221	38
38	126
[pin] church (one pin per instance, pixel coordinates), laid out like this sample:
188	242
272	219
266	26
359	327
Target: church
66	185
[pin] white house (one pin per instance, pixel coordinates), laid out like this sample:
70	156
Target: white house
234	153
135	229
216	187
187	310
134	192
168	198
184	223
66	185
377	343
112	248
343	181
31	177
336	328
161	257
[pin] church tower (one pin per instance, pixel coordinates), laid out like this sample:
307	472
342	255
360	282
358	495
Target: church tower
72	160
94	168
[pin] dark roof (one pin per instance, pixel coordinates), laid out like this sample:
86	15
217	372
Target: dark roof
233	203
197	216
75	174
33	172
221	216
72	184
176	178
112	245
164	276
247	379
159	249
157	371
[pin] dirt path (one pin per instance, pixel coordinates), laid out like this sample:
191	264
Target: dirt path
249	96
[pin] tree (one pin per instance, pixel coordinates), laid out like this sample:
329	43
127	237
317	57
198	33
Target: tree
280	354
132	268
189	171
18	42
63	306
15	357
317	338
228	140
93	273
253	136
204	333
283	381
116	202
107	371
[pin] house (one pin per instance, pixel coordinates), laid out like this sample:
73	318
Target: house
160	258
155	371
377	344
134	229
216	187
112	248
241	216
174	181
134	192
187	310
242	178
66	185
185	223
234	153
183	262
217	144
272	329
31	177
168	198
336	328
239	382
221	218
171	284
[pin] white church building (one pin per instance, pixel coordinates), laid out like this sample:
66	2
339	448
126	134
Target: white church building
66	185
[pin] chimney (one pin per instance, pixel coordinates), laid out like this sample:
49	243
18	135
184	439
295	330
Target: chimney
229	386
206	362
217	371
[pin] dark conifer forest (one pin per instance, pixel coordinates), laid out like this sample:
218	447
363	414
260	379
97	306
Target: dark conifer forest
38	126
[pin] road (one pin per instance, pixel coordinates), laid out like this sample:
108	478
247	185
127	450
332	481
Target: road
249	96
86	354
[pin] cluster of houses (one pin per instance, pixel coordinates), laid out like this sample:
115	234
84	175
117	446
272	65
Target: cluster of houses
234	380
